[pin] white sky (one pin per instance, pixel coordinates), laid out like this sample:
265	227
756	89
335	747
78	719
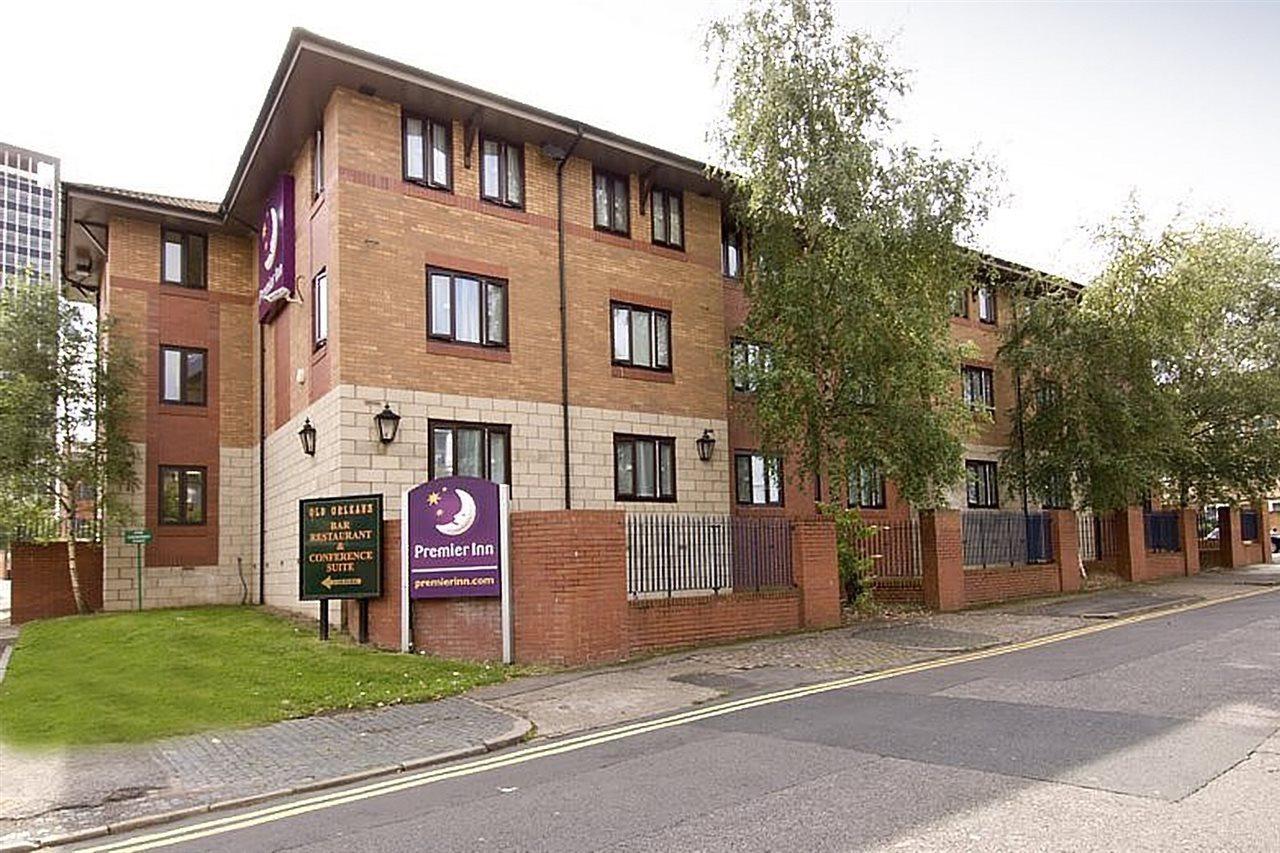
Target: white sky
1080	104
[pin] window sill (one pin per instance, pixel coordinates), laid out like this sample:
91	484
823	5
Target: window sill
184	291
183	409
644	374
318	354
479	353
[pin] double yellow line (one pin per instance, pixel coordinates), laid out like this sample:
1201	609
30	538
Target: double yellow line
232	823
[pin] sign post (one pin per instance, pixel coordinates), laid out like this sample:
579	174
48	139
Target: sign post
340	554
138	536
454	544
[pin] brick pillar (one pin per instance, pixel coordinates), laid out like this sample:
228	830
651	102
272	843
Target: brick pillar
942	559
1264	530
816	571
1230	539
1190	541
1066	549
1131	544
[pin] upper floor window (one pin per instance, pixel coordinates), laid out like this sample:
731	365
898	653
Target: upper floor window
641	337
979	388
183	261
866	487
317	164
960	302
427	152
502	172
612	202
757	479
747	361
667	209
730	250
183	375
181	494
986	304
470	450
465	308
644	468
320	309
982	488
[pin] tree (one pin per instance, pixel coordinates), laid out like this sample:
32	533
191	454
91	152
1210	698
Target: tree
853	246
1163	376
63	407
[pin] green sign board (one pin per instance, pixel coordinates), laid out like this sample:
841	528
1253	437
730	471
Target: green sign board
137	536
340	547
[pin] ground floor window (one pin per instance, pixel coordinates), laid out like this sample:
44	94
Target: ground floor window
758	479
470	450
983	490
182	494
644	468
866	487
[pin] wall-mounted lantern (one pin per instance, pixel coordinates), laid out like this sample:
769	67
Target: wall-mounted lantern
307	435
388	423
706	444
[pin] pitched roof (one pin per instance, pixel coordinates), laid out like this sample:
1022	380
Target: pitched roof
189	205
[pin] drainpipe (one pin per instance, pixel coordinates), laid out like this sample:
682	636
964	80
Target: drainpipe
262	464
562	157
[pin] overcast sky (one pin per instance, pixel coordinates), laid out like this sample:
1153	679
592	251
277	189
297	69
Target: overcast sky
1079	104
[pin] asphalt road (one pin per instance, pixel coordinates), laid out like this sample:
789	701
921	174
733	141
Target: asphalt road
1161	734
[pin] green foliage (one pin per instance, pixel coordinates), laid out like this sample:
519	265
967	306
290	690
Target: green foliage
852	245
138	676
1163	377
63	406
853	565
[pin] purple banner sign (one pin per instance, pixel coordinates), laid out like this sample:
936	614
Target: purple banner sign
276	281
454	538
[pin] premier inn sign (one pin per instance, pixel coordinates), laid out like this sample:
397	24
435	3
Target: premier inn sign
340	547
276	282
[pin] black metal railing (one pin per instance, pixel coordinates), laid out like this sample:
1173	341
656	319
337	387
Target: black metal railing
1006	538
51	530
1207	531
712	554
893	548
1163	530
1097	534
1250	525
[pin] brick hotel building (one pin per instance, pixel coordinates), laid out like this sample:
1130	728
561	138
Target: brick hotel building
540	302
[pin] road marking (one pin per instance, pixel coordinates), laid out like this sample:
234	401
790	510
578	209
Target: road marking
393	785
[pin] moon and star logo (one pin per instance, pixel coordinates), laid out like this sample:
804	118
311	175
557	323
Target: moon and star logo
453	512
270	237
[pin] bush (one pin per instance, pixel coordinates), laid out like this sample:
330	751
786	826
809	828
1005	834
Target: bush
855	568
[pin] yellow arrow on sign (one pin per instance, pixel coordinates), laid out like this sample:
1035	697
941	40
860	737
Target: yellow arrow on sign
330	583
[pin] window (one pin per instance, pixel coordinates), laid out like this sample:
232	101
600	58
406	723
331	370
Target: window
979	388
730	250
320	309
86	491
758	479
641	337
181	495
470	450
317	165
747	361
502	173
467	309
982	488
644	469
667	216
986	304
183	375
612	202
866	487
427	153
1057	492
960	302
182	262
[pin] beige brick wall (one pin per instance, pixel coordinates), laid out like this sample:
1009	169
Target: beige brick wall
231	581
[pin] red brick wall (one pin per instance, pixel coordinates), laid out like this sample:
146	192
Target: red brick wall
942	559
1162	565
898	591
41	585
816	571
664	623
984	586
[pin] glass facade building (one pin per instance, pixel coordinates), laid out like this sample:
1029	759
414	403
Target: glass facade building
28	213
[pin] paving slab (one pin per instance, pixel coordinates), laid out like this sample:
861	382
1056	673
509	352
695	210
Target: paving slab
1260	575
931	638
1113	604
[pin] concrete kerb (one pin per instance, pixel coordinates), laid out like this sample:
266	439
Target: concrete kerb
519	731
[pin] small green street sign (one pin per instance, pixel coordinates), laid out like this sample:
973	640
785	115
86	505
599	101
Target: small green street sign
137	536
340	547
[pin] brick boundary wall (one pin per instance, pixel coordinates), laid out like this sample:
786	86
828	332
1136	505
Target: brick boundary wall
990	585
898	591
41	586
666	623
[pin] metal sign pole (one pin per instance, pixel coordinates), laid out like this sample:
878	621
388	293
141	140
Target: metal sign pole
324	619
405	603
504	502
138	548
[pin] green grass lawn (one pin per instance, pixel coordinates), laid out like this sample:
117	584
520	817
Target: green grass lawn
136	676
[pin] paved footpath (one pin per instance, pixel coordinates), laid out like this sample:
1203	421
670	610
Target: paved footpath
49	795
